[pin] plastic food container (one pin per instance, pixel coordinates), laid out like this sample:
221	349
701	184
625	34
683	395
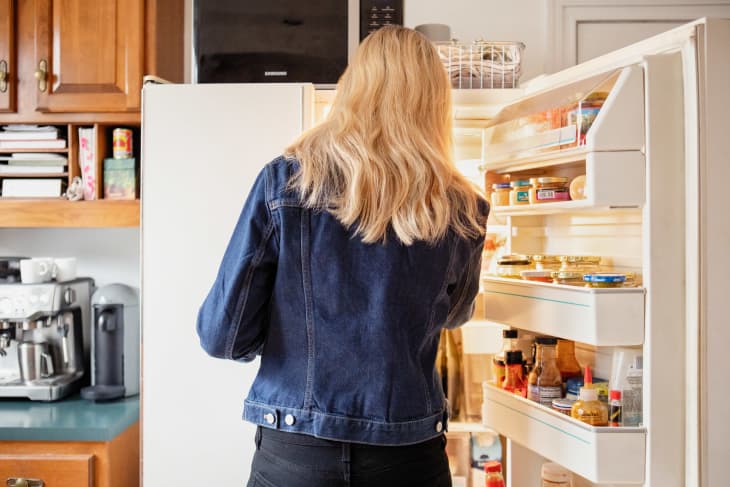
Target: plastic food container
571	278
563	405
546	262
605	279
500	194
520	194
580	263
548	190
513	265
539	276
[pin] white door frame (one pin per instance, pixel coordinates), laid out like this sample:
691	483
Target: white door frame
564	17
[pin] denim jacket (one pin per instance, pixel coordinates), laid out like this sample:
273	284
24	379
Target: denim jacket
347	331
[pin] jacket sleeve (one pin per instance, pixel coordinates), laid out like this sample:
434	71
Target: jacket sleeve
467	286
233	320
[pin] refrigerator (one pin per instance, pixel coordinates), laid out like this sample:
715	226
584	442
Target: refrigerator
655	164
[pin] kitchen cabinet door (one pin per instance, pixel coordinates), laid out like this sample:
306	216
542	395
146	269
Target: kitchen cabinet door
7	56
88	55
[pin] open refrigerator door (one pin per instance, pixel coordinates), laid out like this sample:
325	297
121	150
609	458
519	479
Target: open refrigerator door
588	241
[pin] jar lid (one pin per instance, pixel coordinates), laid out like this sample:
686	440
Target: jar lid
552	472
604	277
514	260
511	333
493	466
563	403
513	357
581	259
501	186
545	258
549	180
534	274
567	275
520	184
546	341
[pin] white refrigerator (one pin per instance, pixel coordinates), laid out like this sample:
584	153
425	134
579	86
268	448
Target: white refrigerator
656	166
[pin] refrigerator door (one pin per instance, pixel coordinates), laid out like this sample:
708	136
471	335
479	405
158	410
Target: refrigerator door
202	147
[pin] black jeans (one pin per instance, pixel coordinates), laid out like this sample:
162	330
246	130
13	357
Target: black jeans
284	459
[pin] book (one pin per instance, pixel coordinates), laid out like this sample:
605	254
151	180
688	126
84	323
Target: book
13	169
33	144
32	156
47	160
32	188
48	134
87	161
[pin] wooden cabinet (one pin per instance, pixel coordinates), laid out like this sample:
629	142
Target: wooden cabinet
88	54
79	464
7	56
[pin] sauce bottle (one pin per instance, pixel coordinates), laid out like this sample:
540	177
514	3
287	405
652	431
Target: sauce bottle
567	363
493	471
614	408
588	408
544	383
513	380
509	342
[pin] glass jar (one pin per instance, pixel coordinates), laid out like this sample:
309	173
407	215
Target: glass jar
580	263
512	265
604	280
548	190
513	381
570	278
520	193
500	194
546	262
544	382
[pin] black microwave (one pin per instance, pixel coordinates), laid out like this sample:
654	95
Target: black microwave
255	41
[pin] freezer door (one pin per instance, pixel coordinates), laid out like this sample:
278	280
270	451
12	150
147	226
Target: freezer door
202	147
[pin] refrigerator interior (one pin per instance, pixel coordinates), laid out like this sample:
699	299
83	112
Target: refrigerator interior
638	215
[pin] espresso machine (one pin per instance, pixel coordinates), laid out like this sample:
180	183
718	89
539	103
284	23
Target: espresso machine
44	338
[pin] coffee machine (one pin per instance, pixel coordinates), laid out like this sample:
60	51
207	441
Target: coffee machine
114	343
44	338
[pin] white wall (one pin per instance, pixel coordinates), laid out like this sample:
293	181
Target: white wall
107	255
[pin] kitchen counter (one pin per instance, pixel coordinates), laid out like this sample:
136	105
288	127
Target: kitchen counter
71	419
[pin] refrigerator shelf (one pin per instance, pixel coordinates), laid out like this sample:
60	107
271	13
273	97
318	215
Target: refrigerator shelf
600	317
602	455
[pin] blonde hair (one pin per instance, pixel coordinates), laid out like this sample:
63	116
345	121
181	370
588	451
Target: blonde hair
383	156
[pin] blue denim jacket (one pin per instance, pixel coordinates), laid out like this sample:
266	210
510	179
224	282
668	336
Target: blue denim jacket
347	331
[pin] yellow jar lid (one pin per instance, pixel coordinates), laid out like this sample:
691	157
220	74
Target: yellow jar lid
581	259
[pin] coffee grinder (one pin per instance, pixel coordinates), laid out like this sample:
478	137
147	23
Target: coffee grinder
115	344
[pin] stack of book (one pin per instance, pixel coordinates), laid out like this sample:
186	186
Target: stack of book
30	137
33	175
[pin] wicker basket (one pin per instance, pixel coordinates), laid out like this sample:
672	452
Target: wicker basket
482	64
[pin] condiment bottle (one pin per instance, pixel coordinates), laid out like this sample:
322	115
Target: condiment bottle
588	408
614	408
544	382
513	380
567	363
493	471
509	342
553	475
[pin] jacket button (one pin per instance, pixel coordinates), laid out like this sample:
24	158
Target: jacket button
269	418
289	419
439	427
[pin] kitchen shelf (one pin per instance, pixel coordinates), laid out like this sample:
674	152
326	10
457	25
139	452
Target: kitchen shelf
466	427
600	317
477	107
601	455
57	212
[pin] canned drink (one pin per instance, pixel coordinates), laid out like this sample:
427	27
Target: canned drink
122	143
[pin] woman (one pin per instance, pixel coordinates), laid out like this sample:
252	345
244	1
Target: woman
351	254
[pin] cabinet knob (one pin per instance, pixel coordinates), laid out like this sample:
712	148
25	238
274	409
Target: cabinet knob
21	482
3	76
41	75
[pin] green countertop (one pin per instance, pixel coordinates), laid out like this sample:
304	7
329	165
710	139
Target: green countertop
71	419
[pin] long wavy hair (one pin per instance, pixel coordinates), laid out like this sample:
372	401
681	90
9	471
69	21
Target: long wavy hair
382	158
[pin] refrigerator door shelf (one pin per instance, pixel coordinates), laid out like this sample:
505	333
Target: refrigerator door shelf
601	455
600	317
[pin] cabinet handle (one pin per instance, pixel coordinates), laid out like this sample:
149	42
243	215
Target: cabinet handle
41	75
3	76
21	482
